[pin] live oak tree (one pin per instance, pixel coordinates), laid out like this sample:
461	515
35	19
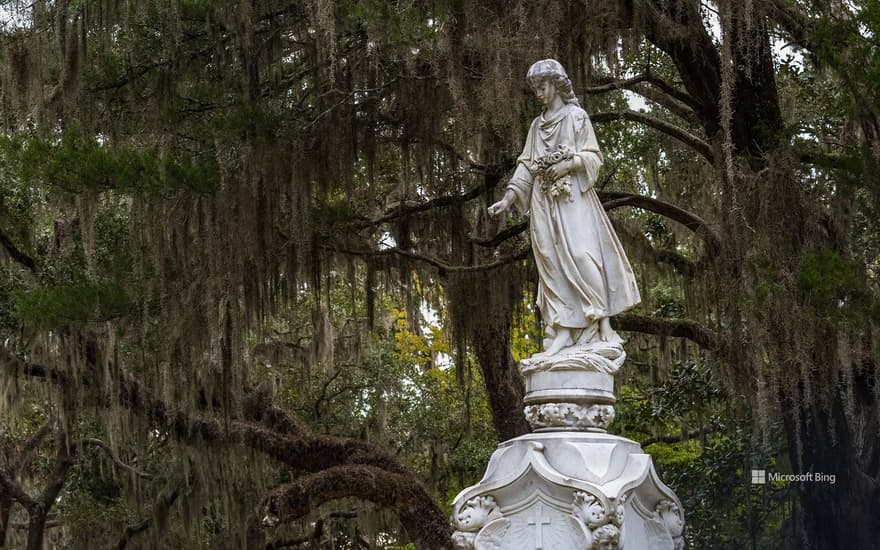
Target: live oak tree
188	186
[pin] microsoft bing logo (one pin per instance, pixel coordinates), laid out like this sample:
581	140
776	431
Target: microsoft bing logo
761	477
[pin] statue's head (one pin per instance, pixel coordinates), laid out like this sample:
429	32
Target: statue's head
551	71
475	513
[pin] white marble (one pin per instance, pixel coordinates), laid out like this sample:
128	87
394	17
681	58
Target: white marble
568	491
570	485
584	274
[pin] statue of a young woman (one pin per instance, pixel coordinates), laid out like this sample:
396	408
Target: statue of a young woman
585	277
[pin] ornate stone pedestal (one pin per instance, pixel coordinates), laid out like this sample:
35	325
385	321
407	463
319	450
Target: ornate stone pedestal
569	485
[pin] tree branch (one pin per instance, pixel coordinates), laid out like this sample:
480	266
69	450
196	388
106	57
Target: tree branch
15	253
27	451
672	91
160	508
794	22
10	487
449	148
668	102
115	459
660	125
422	520
503	235
611	85
64	459
442	267
684	266
612	199
302	452
258	407
38	511
678	30
405	209
647	77
681	328
276	434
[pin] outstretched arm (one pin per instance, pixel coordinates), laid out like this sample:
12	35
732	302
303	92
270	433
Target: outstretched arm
504	203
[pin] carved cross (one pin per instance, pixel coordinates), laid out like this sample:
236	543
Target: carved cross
539	526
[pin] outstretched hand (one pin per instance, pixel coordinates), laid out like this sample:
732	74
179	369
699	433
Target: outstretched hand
499	207
503	204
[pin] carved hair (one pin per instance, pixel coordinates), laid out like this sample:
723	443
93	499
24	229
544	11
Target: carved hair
607	533
550	69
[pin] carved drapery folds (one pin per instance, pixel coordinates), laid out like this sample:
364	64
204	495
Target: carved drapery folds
604	357
569	485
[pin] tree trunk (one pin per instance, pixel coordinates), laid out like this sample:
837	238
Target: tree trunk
504	385
846	513
5	509
36	526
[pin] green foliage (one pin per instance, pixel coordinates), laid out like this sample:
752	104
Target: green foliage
337	111
526	337
78	302
9	284
249	120
668	302
113	253
827	279
709	470
75	164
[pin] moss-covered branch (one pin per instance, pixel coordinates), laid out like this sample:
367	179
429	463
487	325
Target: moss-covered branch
697	144
79	164
611	200
273	432
633	83
16	253
681	328
442	267
160	509
422	520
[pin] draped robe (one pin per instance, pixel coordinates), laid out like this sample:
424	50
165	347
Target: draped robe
584	274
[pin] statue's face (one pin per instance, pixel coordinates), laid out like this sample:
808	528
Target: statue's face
545	91
472	518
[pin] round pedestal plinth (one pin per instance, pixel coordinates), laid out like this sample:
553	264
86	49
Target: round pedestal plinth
572	391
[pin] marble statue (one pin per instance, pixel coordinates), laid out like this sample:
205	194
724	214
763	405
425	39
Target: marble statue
569	485
585	277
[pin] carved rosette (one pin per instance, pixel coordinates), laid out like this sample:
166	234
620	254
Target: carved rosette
603	523
570	416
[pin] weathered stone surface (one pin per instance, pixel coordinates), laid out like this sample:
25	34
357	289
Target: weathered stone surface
570	485
568	491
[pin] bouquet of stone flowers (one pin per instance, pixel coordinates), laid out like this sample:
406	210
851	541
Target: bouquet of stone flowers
554	188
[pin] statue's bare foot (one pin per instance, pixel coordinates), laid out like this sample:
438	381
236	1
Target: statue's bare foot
608	334
561	340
